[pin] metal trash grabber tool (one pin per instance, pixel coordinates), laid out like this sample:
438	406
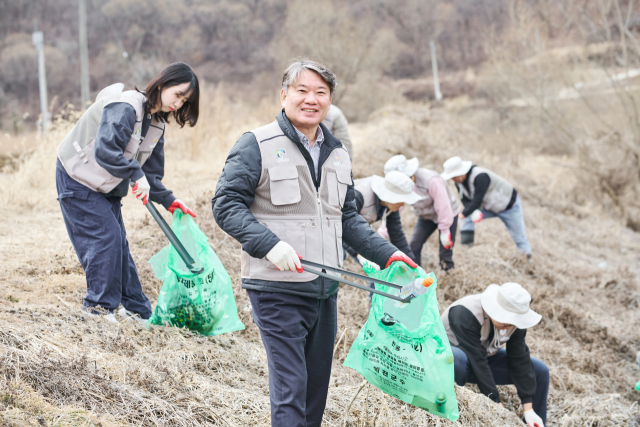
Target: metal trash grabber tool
173	238
323	273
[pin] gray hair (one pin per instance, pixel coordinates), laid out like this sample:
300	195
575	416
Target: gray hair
293	71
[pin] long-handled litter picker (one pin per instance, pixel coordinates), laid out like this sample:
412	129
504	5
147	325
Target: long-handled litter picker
189	262
323	272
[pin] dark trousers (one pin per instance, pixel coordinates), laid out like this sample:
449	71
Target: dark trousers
424	229
298	334
95	227
499	364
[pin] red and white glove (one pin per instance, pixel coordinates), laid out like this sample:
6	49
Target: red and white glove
177	204
446	241
399	256
284	257
532	419
141	189
476	216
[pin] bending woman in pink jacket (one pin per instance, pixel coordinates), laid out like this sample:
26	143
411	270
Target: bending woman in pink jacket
438	209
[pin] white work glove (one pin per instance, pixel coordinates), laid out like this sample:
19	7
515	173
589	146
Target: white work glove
532	419
364	261
284	257
446	241
476	216
141	189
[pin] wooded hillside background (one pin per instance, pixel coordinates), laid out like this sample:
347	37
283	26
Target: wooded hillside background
248	42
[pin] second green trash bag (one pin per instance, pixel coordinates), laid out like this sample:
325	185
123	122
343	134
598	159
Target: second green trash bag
200	302
403	349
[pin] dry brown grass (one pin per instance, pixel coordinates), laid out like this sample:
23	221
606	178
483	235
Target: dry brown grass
60	367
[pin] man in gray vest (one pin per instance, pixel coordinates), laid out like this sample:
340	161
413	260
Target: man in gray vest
438	209
478	326
337	124
285	193
486	194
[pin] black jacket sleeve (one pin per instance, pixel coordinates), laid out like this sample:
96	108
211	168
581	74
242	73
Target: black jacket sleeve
466	328
358	234
153	169
481	184
359	200
520	366
396	234
235	194
114	133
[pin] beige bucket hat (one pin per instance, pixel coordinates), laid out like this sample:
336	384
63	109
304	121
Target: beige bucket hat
455	166
401	164
395	187
509	303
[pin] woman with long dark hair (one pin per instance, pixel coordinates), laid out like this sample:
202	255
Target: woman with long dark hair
118	140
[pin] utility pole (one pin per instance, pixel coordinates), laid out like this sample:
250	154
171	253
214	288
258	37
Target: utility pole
434	67
38	42
84	53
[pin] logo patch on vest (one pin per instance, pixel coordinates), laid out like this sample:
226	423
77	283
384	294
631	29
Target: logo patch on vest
338	162
280	155
137	132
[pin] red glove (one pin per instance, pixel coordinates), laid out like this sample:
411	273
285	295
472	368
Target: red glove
399	256
141	189
177	204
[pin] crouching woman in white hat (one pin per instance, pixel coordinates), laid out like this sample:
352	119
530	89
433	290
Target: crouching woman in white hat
477	327
379	198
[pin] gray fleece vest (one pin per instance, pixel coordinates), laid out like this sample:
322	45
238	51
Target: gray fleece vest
498	195
76	151
424	208
287	203
368	211
473	304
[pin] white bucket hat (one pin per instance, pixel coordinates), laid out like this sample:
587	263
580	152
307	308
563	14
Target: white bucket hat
395	187
455	166
401	164
509	303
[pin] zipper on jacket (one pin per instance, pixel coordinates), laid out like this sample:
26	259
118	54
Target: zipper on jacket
321	238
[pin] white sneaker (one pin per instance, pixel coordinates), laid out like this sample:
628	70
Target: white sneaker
126	314
109	316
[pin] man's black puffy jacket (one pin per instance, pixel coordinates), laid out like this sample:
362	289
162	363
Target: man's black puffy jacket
235	194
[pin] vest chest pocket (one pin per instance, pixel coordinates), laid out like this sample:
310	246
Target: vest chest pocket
283	185
337	185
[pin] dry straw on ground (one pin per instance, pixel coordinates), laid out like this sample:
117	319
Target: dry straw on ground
63	368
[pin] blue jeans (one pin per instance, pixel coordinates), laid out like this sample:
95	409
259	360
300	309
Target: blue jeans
95	227
499	364
513	218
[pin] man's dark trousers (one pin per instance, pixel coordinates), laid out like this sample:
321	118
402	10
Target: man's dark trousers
298	334
95	227
499	364
423	230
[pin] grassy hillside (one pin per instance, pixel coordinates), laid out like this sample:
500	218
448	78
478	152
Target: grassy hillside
63	368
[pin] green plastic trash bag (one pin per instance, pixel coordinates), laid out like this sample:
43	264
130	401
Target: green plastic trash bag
200	302
403	349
